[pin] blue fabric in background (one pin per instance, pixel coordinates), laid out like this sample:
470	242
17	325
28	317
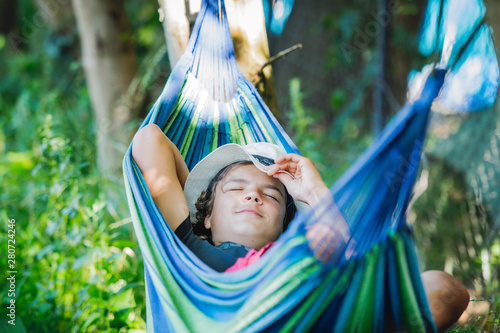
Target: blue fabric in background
277	13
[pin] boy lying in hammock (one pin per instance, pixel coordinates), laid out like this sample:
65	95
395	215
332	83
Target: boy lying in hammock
239	199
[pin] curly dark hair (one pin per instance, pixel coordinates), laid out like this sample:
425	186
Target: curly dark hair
205	204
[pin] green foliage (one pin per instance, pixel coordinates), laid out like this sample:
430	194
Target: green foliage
448	214
459	210
147	31
78	273
78	269
332	148
78	266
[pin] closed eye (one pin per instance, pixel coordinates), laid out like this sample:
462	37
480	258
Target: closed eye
272	197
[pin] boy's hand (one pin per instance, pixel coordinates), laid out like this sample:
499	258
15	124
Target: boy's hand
300	177
326	242
329	236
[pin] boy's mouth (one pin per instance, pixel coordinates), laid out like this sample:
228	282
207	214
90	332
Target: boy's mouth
250	211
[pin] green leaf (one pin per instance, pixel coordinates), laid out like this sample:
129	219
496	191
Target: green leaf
90	320
122	301
20	161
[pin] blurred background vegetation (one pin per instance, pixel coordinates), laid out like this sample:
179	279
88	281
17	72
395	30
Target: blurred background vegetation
79	266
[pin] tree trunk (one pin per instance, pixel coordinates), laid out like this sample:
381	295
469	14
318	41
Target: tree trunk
175	27
251	48
110	66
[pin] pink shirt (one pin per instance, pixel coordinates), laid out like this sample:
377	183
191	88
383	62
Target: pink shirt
251	257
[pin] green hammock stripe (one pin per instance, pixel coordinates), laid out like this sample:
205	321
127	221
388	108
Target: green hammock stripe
281	287
234	127
349	295
411	311
247	136
149	252
215	136
319	299
190	133
361	319
179	104
248	131
239	129
255	114
417	282
283	278
378	292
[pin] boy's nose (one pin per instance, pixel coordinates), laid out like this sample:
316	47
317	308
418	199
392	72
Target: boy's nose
253	196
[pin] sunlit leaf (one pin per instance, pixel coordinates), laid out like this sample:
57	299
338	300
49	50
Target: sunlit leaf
122	301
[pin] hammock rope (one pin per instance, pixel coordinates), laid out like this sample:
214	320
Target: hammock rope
374	282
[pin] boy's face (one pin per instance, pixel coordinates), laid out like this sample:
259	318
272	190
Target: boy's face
249	208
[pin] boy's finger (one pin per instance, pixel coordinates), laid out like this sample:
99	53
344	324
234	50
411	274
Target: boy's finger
289	166
284	177
289	157
271	169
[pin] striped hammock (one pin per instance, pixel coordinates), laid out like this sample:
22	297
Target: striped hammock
374	282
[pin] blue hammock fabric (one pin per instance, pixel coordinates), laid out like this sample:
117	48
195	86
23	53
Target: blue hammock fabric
472	81
373	284
277	13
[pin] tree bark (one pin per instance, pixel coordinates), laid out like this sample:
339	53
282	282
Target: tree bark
251	48
110	65
175	27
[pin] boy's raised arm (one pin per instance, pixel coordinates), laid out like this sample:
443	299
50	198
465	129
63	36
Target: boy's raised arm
165	172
